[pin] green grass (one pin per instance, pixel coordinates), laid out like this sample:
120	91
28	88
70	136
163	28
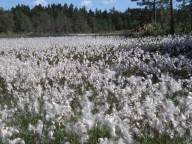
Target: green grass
162	139
23	119
75	105
62	136
99	131
77	89
177	95
133	71
113	102
180	74
12	35
6	97
15	35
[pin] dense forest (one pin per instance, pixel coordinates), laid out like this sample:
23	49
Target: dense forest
58	19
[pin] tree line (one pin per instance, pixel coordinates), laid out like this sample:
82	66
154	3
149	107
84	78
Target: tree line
66	19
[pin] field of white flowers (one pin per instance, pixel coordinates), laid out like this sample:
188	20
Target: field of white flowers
107	90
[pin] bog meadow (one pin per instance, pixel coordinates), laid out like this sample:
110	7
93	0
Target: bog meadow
131	87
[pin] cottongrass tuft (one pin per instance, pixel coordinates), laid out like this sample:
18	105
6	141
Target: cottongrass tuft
96	90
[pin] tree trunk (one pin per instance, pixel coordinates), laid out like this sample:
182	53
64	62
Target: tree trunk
172	30
154	8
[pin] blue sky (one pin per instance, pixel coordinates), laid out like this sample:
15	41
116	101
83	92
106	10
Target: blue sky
120	5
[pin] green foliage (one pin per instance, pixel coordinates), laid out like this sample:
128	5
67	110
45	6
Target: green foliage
99	131
62	136
133	71
13	35
153	136
180	74
113	102
75	105
22	22
59	20
93	58
176	96
77	89
3	86
162	139
6	22
22	121
153	29
6	97
183	28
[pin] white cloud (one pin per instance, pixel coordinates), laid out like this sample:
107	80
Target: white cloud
41	2
108	1
87	3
